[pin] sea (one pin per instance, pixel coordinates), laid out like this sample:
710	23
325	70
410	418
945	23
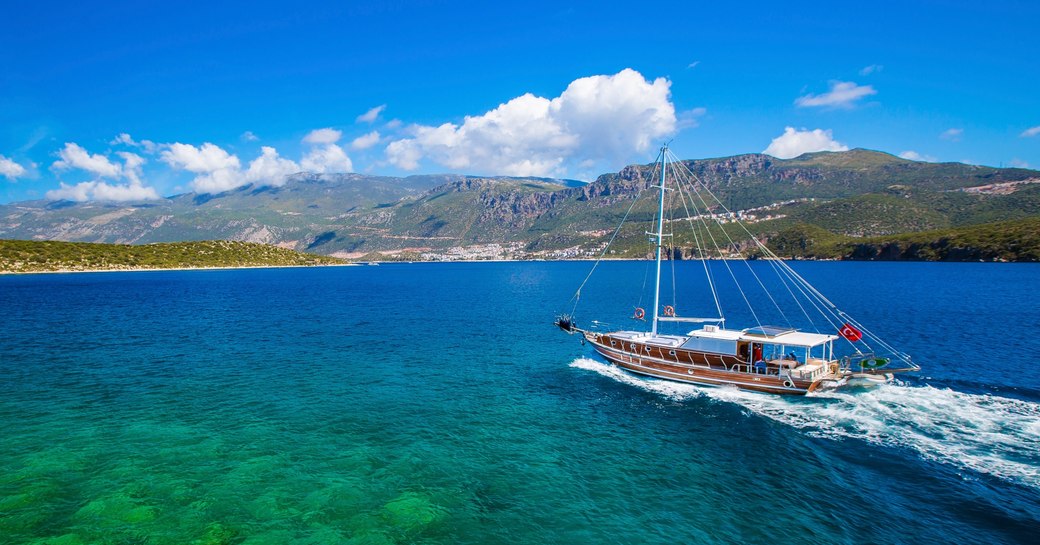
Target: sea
436	403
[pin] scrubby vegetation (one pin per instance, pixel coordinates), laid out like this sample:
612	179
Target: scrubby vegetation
1000	241
43	256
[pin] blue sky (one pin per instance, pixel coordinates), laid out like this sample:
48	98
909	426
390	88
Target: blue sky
214	95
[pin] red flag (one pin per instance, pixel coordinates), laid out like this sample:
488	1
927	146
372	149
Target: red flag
850	333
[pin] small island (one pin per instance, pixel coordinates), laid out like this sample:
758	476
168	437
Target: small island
33	256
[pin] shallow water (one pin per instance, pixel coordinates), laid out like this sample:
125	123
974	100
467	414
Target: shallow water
435	403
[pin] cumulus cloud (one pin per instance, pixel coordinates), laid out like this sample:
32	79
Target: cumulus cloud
365	141
796	142
914	156
204	159
868	70
1030	132
74	156
132	164
79	192
323	136
843	94
595	118
371	115
270	169
216	170
953	135
248	136
327	158
10	169
102	191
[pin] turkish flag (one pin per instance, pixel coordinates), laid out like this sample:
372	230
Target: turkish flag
850	333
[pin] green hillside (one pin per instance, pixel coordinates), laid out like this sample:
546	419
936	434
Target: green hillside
45	256
1017	240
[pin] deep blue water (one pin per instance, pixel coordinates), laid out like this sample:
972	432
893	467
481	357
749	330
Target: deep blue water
436	403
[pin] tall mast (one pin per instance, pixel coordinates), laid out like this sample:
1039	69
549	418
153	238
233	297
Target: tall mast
660	237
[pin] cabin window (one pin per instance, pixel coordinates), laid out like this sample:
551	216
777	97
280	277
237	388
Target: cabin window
612	343
671	352
632	346
647	348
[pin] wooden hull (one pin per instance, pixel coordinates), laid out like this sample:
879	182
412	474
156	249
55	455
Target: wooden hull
694	367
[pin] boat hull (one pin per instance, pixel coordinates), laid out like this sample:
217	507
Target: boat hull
693	367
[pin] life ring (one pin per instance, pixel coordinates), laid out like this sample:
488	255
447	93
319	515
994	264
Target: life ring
669	310
788	383
639	314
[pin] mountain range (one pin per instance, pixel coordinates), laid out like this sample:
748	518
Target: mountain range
857	193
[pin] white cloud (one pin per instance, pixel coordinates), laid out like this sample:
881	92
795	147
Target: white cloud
953	135
270	169
405	153
914	156
597	118
74	156
323	136
1030	132
868	70
794	143
101	191
10	169
371	115
693	64
843	94
365	141
216	169
327	158
79	192
248	136
393	123
132	164
125	139
206	158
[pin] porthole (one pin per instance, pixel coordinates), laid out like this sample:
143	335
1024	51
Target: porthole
671	352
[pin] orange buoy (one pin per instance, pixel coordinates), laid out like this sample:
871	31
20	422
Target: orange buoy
669	310
639	314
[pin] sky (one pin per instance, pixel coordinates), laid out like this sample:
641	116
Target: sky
123	101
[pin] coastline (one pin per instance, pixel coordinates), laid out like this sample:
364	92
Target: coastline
152	269
366	263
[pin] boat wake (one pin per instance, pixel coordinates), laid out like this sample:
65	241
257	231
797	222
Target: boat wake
994	435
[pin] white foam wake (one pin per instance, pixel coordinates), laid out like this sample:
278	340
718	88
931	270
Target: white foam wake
988	434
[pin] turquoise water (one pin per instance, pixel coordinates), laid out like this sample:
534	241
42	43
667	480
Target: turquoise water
436	403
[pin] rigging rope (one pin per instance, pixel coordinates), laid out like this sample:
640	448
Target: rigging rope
577	294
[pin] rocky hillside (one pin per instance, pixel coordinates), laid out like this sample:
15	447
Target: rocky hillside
857	193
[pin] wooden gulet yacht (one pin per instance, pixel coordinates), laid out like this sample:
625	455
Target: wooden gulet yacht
773	359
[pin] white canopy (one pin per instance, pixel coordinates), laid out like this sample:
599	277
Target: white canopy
786	337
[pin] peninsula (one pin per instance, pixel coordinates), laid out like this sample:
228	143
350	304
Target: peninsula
30	256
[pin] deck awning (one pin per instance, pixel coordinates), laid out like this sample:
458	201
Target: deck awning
795	338
766	335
